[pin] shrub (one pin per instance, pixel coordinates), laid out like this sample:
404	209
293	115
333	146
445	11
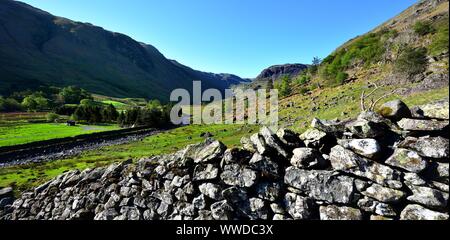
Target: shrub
440	40
412	61
341	77
52	117
303	90
303	79
9	105
423	28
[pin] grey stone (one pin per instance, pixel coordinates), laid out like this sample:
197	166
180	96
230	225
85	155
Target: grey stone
439	110
379	208
211	190
207	151
199	202
395	110
384	194
273	141
407	159
221	210
321	185
298	207
417	212
269	191
409	124
432	147
428	197
345	160
330	127
258	208
339	213
365	147
307	158
236	175
414	179
313	138
264	166
6	192
205	172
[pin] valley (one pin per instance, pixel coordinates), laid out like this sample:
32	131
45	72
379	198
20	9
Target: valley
52	91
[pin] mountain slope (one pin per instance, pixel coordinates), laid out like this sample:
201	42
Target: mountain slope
37	48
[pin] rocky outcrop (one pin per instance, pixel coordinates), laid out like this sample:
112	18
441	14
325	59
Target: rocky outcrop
371	168
275	72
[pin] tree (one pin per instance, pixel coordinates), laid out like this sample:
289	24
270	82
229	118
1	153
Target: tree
154	104
74	95
52	117
412	61
35	102
109	114
423	28
285	87
9	105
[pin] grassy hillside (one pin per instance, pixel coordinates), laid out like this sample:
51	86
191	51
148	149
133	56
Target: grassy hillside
37	49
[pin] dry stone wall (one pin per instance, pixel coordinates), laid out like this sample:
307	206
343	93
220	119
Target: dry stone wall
392	165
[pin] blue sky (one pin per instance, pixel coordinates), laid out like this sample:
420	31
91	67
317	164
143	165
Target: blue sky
234	36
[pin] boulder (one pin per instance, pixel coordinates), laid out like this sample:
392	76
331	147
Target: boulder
407	159
432	147
321	185
333	212
258	209
428	197
307	158
384	194
247	144
370	205
269	191
211	190
298	207
417	212
199	202
439	110
313	138
347	161
409	124
265	167
365	147
205	172
207	151
273	141
236	175
6	192
395	110
221	211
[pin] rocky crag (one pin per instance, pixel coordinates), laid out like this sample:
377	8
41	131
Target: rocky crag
388	165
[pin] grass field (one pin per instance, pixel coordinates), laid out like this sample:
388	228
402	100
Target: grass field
116	104
21	117
21	133
24	177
